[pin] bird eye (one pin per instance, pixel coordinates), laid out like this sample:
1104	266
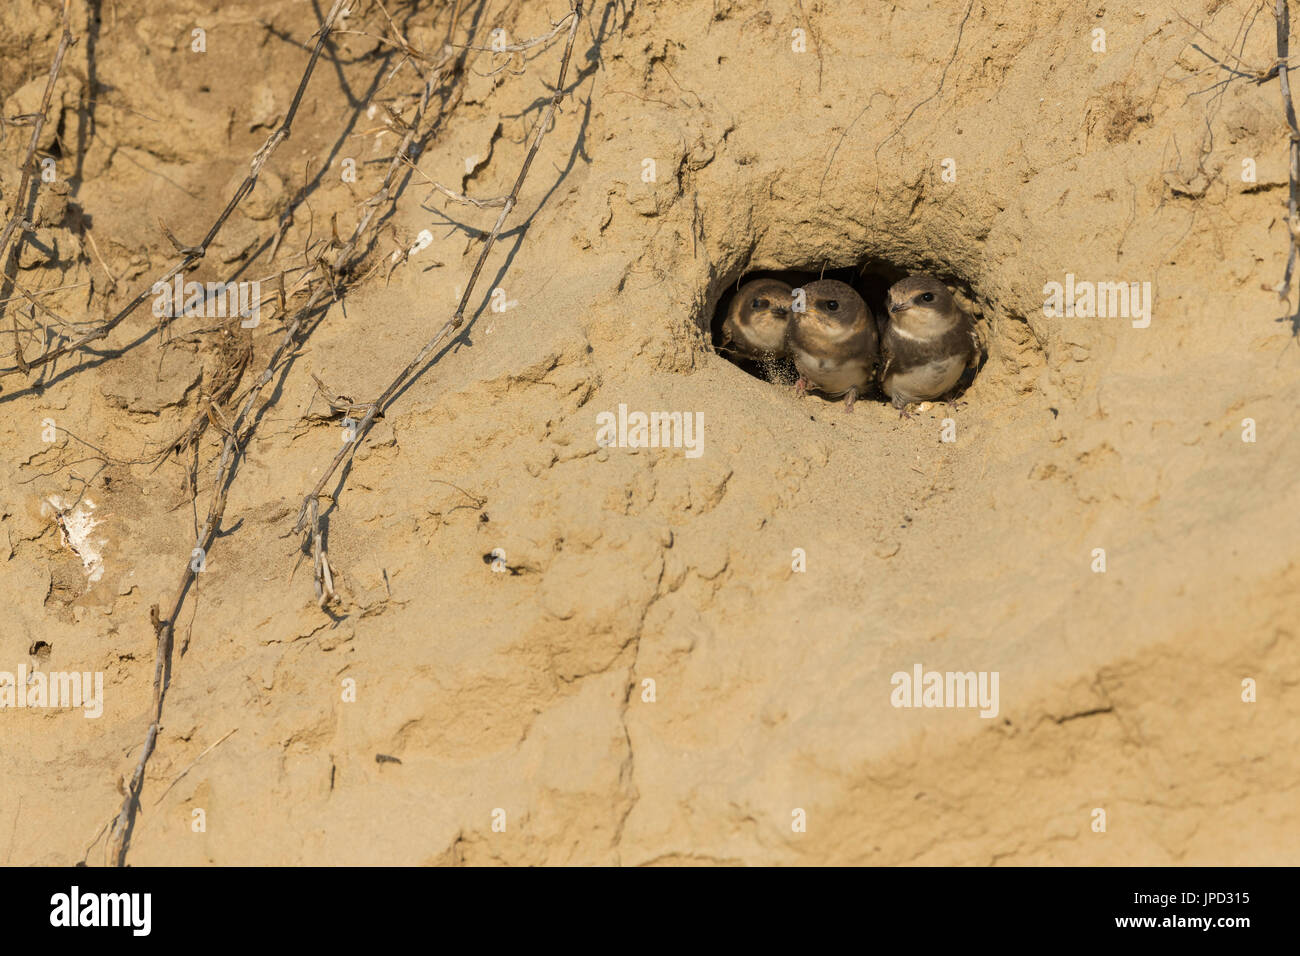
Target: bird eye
832	305
759	304
927	296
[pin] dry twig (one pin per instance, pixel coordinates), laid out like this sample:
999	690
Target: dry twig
1283	288
163	628
192	254
24	185
240	429
308	513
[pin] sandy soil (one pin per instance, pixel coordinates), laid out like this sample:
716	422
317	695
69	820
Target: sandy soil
584	654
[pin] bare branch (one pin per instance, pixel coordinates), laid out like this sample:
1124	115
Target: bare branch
192	254
164	628
458	318
1283	288
24	185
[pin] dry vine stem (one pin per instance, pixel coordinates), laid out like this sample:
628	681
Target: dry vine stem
1283	288
25	183
164	627
309	508
192	254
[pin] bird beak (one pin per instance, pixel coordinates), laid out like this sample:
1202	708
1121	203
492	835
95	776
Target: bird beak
781	310
897	306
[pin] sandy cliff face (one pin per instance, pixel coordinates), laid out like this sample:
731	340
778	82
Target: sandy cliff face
676	655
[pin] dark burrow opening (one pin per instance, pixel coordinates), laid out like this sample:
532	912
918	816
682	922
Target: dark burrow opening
872	281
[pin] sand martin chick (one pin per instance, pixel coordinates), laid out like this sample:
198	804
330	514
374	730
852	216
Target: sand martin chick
927	343
756	320
833	340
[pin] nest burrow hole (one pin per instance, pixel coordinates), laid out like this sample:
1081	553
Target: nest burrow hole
871	279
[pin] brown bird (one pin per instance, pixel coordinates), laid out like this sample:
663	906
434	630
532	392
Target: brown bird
756	320
833	340
928	342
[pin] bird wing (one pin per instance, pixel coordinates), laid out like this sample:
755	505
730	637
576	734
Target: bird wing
978	349
886	357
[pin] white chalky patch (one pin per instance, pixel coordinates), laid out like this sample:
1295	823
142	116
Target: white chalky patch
75	528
